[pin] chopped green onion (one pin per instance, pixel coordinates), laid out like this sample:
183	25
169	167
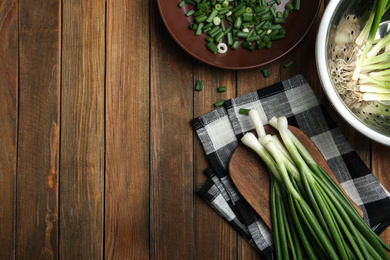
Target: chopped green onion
273	33
181	4
266	39
239	12
241	34
190	12
235	45
266	72
277	37
272	11
222	89
247	16
190	2
209	39
297	5
279	20
289	6
261	45
248	20
219	36
285	13
244	111
229	39
288	64
238	22
270	3
253	38
261	9
199	29
266	16
211	46
200	18
199	85
213	13
219	103
193	26
215	33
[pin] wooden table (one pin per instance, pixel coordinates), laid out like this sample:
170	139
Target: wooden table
98	158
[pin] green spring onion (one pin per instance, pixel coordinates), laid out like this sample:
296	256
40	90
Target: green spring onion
308	209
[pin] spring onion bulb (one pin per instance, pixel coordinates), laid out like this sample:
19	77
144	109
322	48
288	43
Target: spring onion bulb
376	96
373	89
256	120
310	214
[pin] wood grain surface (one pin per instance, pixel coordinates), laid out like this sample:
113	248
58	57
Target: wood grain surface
82	131
39	123
127	131
205	222
8	125
98	157
171	146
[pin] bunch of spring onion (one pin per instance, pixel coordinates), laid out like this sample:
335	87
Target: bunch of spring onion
311	216
372	71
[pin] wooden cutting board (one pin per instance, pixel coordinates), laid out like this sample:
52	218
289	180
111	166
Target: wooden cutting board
249	173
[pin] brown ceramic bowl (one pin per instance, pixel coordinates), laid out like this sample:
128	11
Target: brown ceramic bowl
297	25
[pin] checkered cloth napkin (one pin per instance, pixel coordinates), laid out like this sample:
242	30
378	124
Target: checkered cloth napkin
220	132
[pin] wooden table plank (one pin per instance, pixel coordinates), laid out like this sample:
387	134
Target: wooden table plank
380	167
129	163
214	237
8	124
127	130
38	146
171	110
82	130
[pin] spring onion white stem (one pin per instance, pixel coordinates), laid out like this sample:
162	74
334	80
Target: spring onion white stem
375	96
255	117
373	89
251	141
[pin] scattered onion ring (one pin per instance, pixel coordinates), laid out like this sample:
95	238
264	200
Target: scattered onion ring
222	48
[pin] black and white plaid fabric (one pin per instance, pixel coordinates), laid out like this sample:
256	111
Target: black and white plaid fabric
220	132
